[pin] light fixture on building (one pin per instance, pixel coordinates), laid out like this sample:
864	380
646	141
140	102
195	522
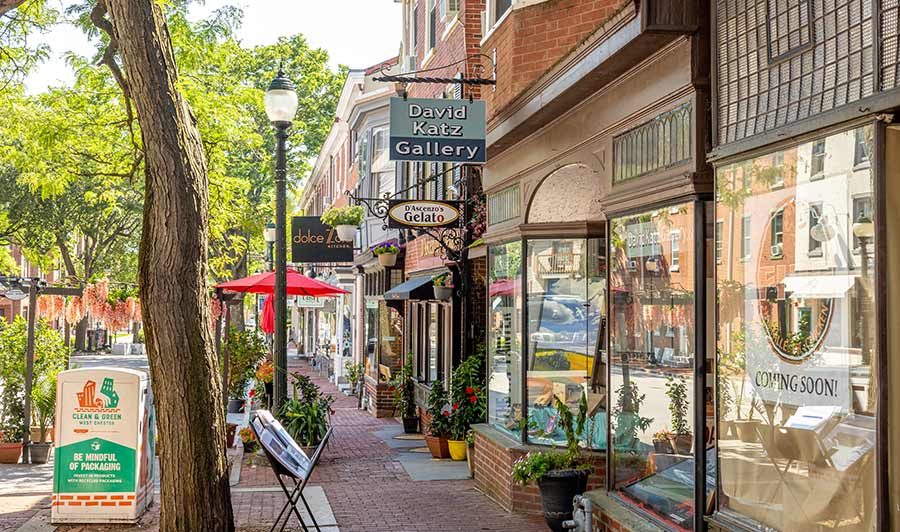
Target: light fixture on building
400	88
863	227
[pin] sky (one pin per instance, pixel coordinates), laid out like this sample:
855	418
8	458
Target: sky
356	33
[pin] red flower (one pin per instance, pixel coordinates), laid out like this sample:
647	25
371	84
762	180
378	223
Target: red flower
477	390
455	406
473	399
469	390
446	413
252	393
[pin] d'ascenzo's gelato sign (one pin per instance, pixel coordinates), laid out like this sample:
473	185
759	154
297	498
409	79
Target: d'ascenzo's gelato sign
415	214
437	130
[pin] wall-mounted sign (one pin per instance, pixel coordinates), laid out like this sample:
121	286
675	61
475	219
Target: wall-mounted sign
308	302
415	214
313	241
438	130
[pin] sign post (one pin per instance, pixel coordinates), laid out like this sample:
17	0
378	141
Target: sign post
438	130
103	469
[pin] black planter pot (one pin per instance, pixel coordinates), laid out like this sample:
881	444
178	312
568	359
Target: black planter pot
410	425
235	406
558	488
40	452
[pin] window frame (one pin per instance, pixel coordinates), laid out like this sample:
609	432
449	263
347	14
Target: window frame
776	236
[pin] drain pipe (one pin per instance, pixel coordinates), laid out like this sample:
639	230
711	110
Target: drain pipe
581	515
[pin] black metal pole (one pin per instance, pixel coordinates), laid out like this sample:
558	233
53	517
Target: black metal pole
280	381
29	372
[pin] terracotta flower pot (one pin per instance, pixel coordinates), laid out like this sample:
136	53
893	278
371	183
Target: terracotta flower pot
438	446
10	453
387	260
457	449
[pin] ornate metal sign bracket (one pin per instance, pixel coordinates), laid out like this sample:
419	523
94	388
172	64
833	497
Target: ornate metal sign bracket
412	77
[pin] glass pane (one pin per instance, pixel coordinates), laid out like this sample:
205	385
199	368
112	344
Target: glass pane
796	376
434	342
505	336
566	295
391	325
371	326
652	342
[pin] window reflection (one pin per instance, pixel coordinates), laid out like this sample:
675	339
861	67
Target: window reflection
652	344
505	336
566	293
796	318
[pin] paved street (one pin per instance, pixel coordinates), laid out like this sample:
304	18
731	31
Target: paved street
361	484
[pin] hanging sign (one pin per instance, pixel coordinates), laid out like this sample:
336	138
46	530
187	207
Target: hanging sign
416	214
313	241
438	130
308	302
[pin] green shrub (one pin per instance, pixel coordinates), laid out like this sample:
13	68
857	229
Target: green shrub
245	350
438	411
405	390
336	216
306	415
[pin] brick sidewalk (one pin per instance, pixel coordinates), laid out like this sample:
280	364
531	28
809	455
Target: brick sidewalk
370	491
366	486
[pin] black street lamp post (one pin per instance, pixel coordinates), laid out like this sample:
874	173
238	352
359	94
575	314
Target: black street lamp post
281	106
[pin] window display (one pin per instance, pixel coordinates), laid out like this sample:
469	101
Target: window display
652	346
566	291
505	337
796	343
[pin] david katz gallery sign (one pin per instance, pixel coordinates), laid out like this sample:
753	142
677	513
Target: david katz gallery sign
419	214
438	130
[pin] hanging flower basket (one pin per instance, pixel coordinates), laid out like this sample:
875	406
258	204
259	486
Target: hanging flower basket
387	254
345	220
443	286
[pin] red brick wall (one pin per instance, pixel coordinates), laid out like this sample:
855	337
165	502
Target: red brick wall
533	39
493	464
380	398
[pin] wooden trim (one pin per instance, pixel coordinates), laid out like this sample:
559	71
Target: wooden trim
592	229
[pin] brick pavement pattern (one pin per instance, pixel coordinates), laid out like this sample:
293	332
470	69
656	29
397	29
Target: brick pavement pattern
370	491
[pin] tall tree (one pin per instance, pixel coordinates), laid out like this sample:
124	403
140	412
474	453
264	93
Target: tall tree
172	272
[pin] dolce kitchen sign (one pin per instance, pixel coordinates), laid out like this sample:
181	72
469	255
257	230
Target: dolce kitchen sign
418	214
438	130
313	241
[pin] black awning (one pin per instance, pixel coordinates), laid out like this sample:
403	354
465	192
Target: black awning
415	288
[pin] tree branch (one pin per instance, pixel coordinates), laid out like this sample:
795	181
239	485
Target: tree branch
8	5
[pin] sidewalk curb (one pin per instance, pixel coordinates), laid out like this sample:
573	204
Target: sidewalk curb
235	457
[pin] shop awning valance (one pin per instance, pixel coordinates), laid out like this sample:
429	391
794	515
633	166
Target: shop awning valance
415	288
818	286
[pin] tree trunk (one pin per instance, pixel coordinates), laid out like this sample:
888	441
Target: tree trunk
81	334
173	279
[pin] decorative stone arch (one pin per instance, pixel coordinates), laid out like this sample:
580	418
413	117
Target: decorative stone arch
568	194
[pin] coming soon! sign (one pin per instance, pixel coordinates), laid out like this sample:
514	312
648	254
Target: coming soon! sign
438	130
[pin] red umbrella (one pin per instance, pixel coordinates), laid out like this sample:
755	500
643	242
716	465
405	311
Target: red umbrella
297	284
267	321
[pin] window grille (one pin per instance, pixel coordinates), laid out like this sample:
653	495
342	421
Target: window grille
504	205
655	145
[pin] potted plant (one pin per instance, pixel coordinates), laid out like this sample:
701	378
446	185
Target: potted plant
345	220
12	414
443	286
264	375
467	400
355	374
470	441
438	421
559	475
307	414
662	441
676	391
405	397
248	438
387	254
245	350
43	395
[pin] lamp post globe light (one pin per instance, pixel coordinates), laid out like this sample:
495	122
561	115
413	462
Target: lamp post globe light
281	106
269	237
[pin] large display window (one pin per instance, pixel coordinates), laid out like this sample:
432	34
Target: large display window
566	290
653	350
504	333
796	343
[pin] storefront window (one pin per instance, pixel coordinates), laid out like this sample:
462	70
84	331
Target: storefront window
566	293
391	333
796	343
505	336
653	348
371	334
